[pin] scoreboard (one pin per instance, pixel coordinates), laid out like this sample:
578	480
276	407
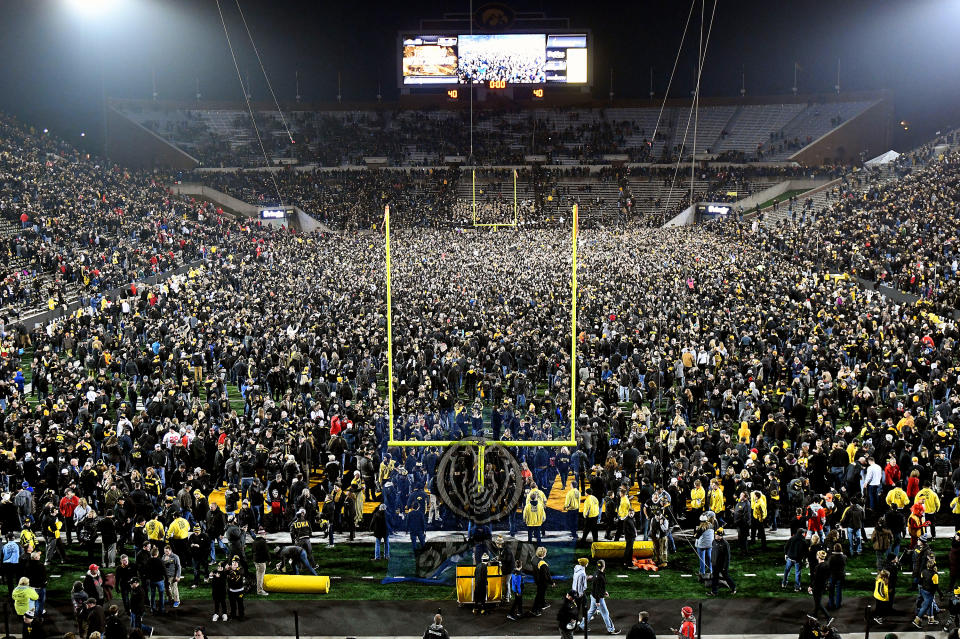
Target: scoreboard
495	60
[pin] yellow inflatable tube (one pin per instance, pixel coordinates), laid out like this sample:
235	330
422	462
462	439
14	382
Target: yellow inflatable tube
614	549
297	583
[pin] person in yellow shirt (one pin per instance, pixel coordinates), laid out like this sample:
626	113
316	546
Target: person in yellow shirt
905	422
154	531
571	506
177	533
955	509
852	451
931	504
28	540
881	596
897	498
623	508
591	514
533	517
744	433
758	512
537	494
698	497
715	497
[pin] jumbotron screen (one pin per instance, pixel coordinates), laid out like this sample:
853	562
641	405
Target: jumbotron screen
504	58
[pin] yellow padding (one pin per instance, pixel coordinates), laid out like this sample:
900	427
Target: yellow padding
614	549
296	583
466	580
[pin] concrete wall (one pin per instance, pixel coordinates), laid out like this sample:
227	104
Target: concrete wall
306	222
132	144
780	189
684	218
869	133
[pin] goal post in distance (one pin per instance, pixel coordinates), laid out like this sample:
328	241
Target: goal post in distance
480	224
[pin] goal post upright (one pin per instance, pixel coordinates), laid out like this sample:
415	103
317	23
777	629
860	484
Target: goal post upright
514	197
573	330
386	226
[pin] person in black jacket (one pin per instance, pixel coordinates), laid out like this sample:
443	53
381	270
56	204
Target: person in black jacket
156	576
643	629
721	563
199	545
542	578
108	539
123	577
218	591
480	585
567	615
138	606
436	629
92	617
598	600
36	572
381	532
820	577
630	535
261	555
838	571
794	552
113	627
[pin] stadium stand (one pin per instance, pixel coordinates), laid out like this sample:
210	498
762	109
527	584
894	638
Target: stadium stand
224	137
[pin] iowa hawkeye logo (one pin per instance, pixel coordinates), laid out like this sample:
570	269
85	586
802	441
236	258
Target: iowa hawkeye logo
493	16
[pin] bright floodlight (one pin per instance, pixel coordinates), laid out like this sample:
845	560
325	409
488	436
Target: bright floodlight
91	7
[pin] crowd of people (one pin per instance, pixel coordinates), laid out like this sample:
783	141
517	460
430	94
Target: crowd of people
724	381
900	232
445	197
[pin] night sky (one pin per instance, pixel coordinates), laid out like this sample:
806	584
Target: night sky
54	50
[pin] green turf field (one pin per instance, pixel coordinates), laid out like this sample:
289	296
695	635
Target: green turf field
782	198
351	563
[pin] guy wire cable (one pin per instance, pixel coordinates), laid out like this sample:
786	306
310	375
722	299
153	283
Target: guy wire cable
245	91
653	139
265	76
692	103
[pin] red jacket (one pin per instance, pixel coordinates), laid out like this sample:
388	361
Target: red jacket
891	475
913	487
68	505
688	629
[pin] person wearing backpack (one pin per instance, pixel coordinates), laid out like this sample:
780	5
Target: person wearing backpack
881	540
852	520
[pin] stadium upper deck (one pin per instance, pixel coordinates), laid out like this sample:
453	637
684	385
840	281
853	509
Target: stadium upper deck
768	131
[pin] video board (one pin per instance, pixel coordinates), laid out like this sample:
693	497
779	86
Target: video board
496	60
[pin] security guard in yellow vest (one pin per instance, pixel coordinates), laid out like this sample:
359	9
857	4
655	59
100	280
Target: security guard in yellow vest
177	533
571	506
591	513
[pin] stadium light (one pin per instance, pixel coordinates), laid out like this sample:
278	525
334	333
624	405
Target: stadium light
91	7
